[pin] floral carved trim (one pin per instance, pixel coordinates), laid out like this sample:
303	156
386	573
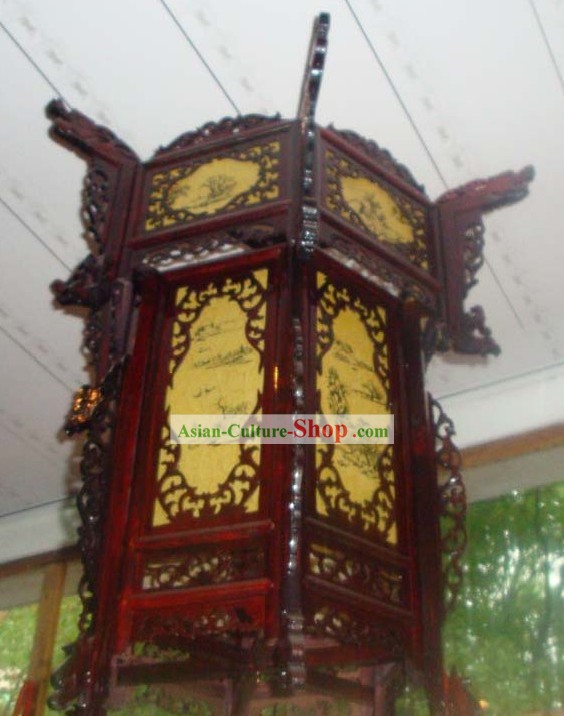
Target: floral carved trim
178	628
203	567
72	679
371	267
380	156
92	337
415	251
346	628
475	338
96	192
453	505
360	574
199	249
226	127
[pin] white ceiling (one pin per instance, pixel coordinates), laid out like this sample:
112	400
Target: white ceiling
477	89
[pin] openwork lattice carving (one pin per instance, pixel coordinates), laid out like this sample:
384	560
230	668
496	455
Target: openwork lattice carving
402	225
453	505
226	127
341	625
360	574
71	680
213	246
173	199
373	268
92	337
92	497
204	566
96	194
177	628
179	498
473	253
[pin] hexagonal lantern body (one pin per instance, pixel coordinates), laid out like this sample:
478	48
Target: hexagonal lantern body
263	266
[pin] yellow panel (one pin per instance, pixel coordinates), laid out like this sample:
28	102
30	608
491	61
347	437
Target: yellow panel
350	384
217	372
212	186
209	187
391	216
377	209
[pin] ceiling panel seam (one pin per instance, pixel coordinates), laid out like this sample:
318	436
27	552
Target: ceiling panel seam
200	57
398	96
34	64
547	45
43	243
425	146
36	359
500	381
41	450
37	506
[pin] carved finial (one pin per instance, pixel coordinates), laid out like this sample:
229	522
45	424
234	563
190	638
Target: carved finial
74	129
306	112
314	67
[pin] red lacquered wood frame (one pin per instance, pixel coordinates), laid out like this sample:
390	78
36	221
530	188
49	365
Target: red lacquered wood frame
274	615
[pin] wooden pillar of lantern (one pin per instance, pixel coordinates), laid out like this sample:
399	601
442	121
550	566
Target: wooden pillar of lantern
262	265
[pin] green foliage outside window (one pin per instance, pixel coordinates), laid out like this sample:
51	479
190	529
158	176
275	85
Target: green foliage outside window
506	634
16	639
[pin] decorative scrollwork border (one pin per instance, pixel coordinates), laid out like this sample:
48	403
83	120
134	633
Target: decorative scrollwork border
380	156
226	127
360	574
159	213
174	494
453	506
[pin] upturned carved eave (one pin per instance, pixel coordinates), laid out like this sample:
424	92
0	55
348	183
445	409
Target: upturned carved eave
459	216
77	132
485	195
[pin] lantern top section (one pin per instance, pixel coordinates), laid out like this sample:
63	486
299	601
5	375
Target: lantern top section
251	181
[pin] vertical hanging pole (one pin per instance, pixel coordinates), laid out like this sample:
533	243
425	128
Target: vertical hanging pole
309	94
45	632
304	247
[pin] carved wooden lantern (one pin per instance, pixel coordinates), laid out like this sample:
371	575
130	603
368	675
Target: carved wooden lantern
261	265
